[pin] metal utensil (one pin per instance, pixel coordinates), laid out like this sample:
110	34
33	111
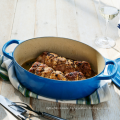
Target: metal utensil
18	110
15	110
43	114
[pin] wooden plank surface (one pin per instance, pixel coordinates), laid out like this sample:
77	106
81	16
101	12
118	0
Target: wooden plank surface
108	110
7	10
45	26
45	18
89	28
66	19
67	26
21	29
25	19
88	24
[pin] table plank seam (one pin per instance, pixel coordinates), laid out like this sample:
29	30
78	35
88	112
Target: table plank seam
13	18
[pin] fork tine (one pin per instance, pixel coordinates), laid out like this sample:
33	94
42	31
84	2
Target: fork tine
26	106
23	105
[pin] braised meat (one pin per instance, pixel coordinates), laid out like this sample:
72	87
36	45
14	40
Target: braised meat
52	60
84	67
46	58
52	66
35	66
57	75
75	76
42	57
44	71
59	63
56	62
69	66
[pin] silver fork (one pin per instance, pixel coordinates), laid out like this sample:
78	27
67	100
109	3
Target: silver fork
43	114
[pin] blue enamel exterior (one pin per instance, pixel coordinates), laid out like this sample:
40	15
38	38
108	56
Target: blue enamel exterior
61	90
9	55
116	78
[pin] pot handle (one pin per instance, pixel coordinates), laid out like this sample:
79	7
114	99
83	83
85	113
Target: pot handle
105	77
9	55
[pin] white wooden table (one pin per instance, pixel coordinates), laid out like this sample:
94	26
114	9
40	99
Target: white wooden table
75	19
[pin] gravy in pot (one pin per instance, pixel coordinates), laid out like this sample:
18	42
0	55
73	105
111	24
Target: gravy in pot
27	65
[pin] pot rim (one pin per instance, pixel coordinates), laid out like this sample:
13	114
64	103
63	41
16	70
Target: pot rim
53	79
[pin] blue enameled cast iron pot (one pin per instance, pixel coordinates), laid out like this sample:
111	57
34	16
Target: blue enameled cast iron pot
63	90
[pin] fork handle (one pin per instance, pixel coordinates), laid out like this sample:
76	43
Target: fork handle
51	117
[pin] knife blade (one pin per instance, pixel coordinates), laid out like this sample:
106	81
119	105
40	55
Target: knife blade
14	110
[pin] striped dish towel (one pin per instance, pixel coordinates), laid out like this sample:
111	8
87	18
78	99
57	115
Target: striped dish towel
7	72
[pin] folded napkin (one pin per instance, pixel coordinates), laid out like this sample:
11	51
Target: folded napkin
7	73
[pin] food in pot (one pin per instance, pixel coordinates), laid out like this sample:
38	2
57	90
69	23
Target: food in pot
69	66
50	65
58	63
75	76
47	57
44	71
36	65
84	67
63	64
57	75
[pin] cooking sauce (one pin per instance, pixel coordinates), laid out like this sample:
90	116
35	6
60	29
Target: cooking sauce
27	65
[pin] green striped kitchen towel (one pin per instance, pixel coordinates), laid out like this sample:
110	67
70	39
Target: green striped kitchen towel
7	72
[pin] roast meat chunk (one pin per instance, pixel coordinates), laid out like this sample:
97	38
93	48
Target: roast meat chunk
84	67
72	76
44	71
35	65
69	66
57	75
